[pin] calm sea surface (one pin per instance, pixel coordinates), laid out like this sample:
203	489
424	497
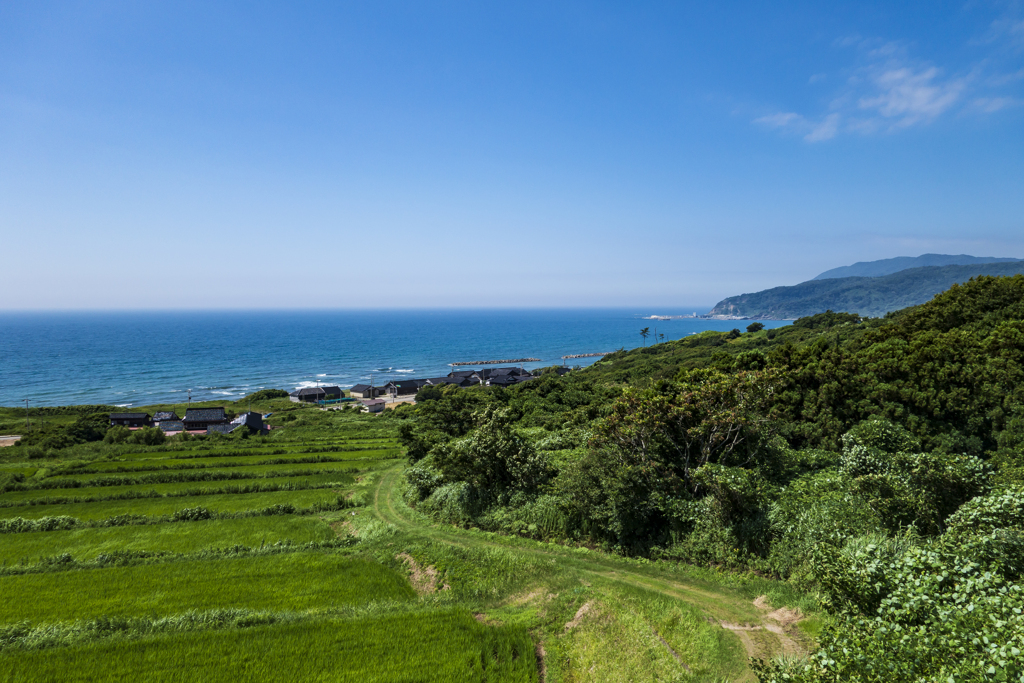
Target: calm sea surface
141	358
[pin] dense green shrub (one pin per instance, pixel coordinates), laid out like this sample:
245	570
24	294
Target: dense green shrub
985	514
266	395
117	434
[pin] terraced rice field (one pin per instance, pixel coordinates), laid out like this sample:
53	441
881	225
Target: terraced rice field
225	590
442	647
291	581
186	488
154	507
295	557
183	537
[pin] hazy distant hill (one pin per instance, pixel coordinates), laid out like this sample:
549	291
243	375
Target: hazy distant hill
889	266
867	296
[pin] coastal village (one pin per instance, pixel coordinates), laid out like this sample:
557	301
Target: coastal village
373	399
195	421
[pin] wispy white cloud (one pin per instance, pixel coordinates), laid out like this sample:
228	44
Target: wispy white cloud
825	129
812	131
907	96
998	80
1005	29
990	105
781	120
887	90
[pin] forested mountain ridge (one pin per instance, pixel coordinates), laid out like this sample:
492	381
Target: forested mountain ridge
894	265
866	296
878	463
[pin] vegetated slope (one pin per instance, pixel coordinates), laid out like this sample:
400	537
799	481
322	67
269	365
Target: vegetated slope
880	463
162	559
894	265
866	296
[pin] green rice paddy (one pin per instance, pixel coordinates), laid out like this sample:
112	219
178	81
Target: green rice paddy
238	460
290	597
195	488
439	647
154	507
183	537
288	582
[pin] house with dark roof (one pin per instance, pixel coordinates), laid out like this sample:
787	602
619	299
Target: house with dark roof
251	421
488	373
404	387
465	374
314	394
165	415
507	380
171	426
443	381
366	391
129	419
202	418
220	429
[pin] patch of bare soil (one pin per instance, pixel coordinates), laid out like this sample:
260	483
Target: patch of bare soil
780	623
423	579
8	440
786	617
542	667
580	613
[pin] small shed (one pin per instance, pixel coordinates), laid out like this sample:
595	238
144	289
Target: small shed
165	415
129	419
202	418
375	405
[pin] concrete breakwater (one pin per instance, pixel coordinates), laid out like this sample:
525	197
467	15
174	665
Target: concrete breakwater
585	355
498	362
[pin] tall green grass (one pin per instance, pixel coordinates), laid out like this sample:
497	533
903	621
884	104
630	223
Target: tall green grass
86	544
438	647
251	469
108	466
325	446
152	507
174	489
290	582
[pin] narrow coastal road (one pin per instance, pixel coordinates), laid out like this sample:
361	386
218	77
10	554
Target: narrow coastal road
760	635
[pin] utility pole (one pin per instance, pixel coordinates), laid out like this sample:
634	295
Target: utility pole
189	399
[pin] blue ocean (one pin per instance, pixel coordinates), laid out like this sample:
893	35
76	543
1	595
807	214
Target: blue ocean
139	358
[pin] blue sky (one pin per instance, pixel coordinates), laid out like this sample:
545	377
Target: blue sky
258	155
